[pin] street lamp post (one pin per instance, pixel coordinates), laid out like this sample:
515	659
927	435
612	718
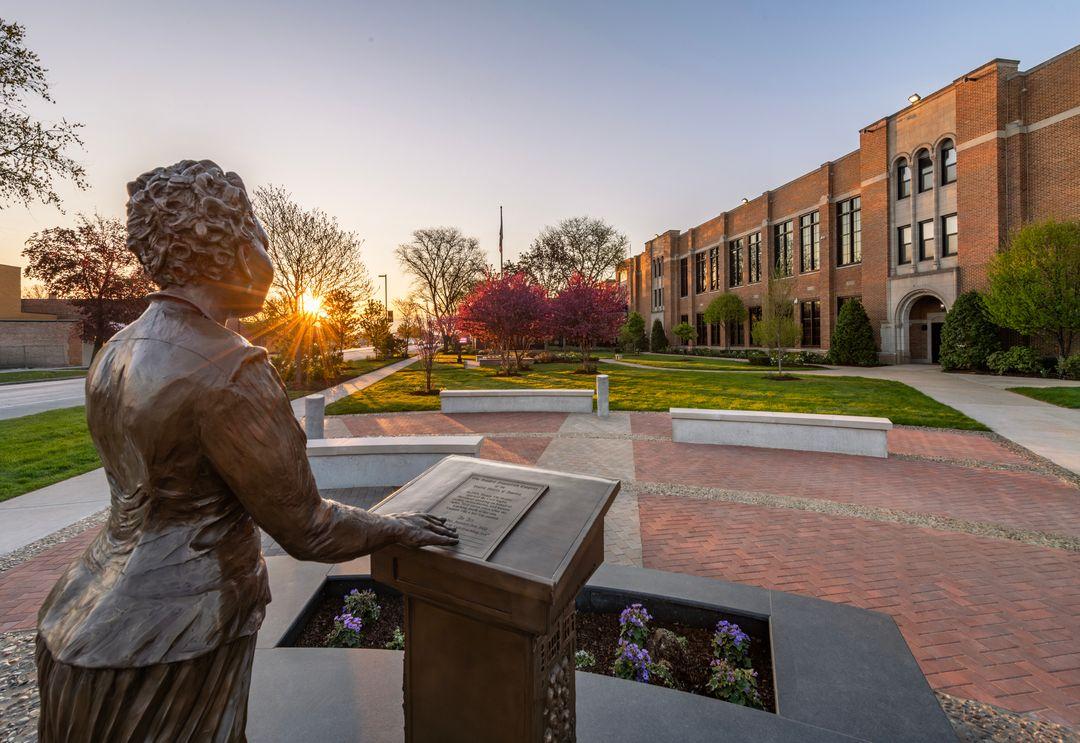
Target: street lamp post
386	295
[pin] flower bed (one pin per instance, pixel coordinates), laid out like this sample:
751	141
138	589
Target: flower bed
703	652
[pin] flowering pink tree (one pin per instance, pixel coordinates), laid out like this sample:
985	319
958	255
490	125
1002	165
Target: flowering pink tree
509	312
588	313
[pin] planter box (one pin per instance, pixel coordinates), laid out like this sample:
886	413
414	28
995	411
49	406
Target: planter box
841	434
516	401
381	461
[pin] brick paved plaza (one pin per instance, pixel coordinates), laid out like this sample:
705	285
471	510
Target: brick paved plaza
968	543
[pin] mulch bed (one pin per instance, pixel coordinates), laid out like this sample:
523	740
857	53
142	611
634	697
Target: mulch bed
597	633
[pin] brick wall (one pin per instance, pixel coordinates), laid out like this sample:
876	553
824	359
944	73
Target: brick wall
39	343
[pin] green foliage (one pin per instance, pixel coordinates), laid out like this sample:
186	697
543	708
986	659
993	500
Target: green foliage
759	358
968	336
584	660
659	341
1069	367
363	604
1035	283
777	329
724	309
632	334
853	338
397	642
1017	359
731	684
684	331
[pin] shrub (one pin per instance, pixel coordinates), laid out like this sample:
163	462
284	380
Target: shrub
1017	359
853	338
397	642
584	660
758	358
363	604
658	342
632	334
684	331
735	685
1069	368
968	337
346	631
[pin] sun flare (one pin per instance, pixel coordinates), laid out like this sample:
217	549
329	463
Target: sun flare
311	305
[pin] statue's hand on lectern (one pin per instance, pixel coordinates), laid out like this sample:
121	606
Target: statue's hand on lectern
423	529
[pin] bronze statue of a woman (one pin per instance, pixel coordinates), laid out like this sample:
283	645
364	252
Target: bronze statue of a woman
150	635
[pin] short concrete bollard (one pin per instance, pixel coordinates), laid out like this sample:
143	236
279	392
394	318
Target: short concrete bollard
602	407
314	416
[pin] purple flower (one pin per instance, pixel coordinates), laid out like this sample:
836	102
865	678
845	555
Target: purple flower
349	622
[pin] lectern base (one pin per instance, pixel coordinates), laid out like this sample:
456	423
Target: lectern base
477	682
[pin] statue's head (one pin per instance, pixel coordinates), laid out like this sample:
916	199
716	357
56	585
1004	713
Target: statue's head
192	224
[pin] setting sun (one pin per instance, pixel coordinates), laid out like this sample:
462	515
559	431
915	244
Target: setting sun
311	305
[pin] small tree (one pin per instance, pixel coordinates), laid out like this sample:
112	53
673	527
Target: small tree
428	344
684	331
340	319
632	333
725	309
968	336
658	342
588	313
853	338
1035	283
510	312
91	266
777	329
375	326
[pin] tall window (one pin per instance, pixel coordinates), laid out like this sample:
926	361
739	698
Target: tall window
714	268
903	244
948	235
849	231
735	333
782	240
714	333
811	323
926	171
684	278
754	256
809	242
753	315
699	272
702	329
903	179
926	240
734	262
948	162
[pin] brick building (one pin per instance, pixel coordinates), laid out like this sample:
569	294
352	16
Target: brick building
906	222
36	332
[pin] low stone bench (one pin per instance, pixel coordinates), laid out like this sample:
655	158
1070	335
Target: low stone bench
381	461
841	434
516	401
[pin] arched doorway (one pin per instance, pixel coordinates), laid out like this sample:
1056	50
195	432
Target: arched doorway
921	319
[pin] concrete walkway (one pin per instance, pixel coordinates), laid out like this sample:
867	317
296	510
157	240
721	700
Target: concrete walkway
1048	430
27	518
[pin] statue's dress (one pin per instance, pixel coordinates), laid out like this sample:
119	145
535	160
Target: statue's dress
150	635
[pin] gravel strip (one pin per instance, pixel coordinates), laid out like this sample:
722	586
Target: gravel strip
977	722
868	513
32	550
18	687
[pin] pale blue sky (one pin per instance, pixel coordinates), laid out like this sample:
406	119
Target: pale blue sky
399	115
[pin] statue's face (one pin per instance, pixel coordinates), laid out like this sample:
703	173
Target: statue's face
249	293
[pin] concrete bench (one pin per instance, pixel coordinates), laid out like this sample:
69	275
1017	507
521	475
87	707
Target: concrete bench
516	401
842	434
381	461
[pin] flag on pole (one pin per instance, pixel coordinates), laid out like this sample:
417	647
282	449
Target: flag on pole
500	240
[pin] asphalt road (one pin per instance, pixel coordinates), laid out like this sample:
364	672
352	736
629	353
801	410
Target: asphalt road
34	397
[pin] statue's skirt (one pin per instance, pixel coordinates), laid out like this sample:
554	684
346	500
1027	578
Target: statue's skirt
202	699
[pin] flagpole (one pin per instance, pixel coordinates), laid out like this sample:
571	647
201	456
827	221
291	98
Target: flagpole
500	240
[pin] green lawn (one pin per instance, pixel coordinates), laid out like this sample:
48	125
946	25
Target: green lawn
1066	397
642	389
34	375
352	369
44	448
673	361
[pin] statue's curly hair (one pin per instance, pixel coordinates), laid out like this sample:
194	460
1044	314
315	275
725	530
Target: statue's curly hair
190	221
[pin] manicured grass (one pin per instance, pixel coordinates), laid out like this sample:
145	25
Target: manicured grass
674	361
1066	397
44	448
645	389
352	369
40	375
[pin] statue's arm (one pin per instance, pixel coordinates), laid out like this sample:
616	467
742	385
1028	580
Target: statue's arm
251	437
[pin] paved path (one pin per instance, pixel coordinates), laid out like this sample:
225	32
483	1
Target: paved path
17	400
333	394
1048	430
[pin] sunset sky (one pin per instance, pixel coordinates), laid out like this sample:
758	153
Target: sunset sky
399	115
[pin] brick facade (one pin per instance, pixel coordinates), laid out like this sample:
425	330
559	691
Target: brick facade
36	332
1016	138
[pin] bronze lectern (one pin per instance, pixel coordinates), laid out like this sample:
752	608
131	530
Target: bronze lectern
489	624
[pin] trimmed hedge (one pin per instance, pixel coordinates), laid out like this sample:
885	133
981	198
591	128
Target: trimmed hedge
853	337
658	342
968	337
1018	359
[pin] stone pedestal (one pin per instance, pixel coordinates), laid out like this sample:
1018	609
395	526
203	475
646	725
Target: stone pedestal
490	642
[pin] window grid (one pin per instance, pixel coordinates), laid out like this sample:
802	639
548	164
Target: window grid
849	230
684	278
782	244
949	241
903	180
809	242
811	323
699	272
735	262
926	171
714	268
903	244
948	162
926	240
754	250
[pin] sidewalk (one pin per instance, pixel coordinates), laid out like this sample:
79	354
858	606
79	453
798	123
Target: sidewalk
27	518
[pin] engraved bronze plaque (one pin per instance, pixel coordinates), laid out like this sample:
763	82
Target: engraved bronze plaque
484	510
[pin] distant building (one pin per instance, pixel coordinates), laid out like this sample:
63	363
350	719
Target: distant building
906	222
36	332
